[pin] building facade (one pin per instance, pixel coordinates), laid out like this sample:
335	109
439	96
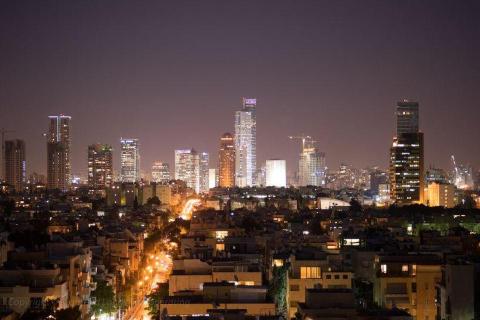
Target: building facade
58	153
226	161
407	157
100	166
192	168
311	166
160	172
15	164
246	144
129	160
276	173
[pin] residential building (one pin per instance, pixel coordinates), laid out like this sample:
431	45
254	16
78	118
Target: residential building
15	164
100	166
129	160
58	153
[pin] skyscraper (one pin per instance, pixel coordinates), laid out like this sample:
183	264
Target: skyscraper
192	168
58	153
15	165
203	172
129	160
406	156
100	166
276	173
226	161
311	166
160	172
246	144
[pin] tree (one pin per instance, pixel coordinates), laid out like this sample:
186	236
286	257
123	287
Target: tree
105	299
278	289
69	313
355	206
154	299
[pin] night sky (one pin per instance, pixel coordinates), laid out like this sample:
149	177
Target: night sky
173	73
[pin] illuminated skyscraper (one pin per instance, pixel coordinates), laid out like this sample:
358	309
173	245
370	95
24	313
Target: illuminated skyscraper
406	156
203	172
15	165
246	144
58	153
160	172
100	166
276	173
192	168
226	161
129	160
311	166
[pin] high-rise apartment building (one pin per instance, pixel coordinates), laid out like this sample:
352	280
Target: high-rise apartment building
15	164
246	144
203	172
406	156
192	168
160	172
311	166
276	173
100	166
226	161
58	153
129	160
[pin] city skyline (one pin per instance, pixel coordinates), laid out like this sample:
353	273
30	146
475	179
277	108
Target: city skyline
345	102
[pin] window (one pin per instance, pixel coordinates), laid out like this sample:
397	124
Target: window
220	246
337	276
405	268
294	287
414	269
414	287
383	268
345	276
329	276
310	272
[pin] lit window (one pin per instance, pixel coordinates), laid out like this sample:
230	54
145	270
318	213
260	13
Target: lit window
383	268
405	268
310	273
220	246
221	234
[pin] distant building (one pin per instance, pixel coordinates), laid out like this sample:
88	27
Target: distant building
377	177
204	160
58	153
212	178
436	175
100	166
15	164
192	168
246	144
406	156
311	166
276	173
226	161
441	194
129	160
160	172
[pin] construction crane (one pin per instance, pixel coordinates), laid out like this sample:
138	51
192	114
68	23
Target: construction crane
305	140
455	169
3	132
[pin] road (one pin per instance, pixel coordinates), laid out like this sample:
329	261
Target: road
159	267
188	208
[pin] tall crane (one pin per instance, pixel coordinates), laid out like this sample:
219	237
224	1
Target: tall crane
3	132
455	169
